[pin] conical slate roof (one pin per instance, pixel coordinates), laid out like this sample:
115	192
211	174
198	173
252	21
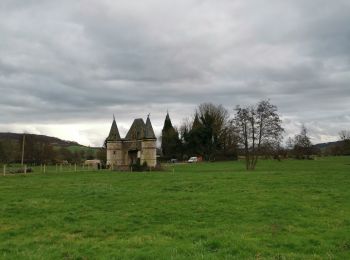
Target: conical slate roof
196	122
136	130
140	130
114	133
149	133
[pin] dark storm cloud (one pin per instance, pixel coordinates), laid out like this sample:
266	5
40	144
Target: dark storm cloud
80	61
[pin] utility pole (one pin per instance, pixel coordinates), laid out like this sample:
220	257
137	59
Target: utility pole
24	138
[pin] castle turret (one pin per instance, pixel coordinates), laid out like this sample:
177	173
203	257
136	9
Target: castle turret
149	133
114	146
114	133
149	154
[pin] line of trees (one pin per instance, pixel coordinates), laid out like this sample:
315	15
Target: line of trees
255	131
344	142
209	135
342	147
38	151
213	135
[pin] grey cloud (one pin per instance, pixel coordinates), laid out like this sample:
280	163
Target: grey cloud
81	61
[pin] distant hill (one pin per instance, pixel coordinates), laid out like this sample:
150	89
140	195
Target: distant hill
43	149
323	146
40	138
56	142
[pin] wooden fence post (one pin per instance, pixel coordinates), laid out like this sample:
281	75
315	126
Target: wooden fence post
75	167
25	169
44	168
4	169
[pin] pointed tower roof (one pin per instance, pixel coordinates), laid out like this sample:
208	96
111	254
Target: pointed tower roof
114	133
136	130
167	123
149	133
196	122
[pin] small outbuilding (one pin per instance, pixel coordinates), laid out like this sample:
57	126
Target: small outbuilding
94	164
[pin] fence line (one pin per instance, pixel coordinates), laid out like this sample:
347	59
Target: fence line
44	168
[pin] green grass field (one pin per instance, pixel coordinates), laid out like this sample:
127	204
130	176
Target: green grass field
283	210
79	148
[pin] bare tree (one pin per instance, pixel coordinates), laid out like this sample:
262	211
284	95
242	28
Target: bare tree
344	135
302	145
257	125
345	142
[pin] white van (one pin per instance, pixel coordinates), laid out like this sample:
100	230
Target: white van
193	160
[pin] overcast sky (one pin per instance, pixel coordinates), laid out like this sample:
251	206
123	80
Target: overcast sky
67	66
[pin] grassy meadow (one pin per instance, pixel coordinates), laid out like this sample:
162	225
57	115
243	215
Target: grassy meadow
283	210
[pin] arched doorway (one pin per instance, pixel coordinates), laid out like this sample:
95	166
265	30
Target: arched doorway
134	157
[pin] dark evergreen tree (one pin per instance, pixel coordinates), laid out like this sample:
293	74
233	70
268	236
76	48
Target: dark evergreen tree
210	135
195	138
171	144
213	133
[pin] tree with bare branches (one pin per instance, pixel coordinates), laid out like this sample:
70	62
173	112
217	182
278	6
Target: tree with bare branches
303	148
345	142
256	126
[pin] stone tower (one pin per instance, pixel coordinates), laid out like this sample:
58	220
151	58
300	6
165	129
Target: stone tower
138	146
114	146
148	145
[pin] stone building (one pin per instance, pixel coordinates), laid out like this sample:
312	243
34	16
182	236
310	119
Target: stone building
138	146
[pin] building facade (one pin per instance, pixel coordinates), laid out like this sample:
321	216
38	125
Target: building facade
138	146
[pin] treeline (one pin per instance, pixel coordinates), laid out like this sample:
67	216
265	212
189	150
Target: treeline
342	147
300	147
43	138
254	131
40	151
210	134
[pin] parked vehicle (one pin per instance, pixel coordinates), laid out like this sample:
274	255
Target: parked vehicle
193	160
173	161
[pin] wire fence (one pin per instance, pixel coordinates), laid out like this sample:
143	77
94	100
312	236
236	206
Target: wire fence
18	169
12	169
